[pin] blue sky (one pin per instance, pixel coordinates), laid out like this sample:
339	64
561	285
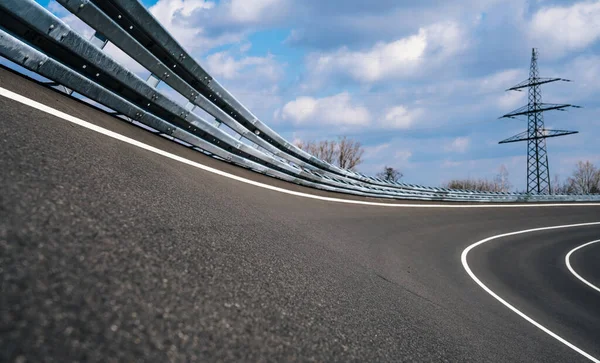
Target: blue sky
420	84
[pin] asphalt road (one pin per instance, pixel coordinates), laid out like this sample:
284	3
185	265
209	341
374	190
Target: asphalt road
109	252
585	262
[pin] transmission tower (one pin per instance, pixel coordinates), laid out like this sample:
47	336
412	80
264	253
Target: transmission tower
538	173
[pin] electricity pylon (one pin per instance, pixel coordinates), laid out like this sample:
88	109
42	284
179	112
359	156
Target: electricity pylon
538	173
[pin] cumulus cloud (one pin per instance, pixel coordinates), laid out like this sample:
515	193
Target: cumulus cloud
499	81
400	117
184	20
400	58
402	155
568	28
511	100
337	110
225	65
251	11
458	145
376	150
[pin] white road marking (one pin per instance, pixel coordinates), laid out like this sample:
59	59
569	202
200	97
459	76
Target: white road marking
568	262
47	109
508	305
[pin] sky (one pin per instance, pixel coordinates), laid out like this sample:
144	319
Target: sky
420	84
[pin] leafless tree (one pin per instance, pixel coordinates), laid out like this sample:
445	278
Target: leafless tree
481	185
343	152
325	150
585	179
500	183
350	153
561	188
390	174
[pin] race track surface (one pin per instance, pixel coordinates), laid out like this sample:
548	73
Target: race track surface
109	252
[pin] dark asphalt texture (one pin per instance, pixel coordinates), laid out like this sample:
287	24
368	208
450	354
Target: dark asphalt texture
586	261
530	272
109	252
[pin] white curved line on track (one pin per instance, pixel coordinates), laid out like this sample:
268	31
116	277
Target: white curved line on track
77	121
463	259
568	262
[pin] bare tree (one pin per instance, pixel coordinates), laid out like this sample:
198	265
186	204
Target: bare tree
501	180
350	153
390	174
561	188
343	152
481	185
500	183
585	179
325	150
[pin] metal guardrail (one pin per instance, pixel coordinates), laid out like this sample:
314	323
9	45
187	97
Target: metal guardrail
34	38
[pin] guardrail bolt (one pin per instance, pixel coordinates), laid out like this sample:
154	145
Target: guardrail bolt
81	5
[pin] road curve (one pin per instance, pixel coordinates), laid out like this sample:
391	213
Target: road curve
587	262
111	252
522	270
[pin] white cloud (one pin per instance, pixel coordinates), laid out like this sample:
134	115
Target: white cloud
251	11
402	155
567	28
254	81
400	117
167	11
245	47
508	101
224	65
335	110
499	81
399	58
181	18
458	145
373	151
